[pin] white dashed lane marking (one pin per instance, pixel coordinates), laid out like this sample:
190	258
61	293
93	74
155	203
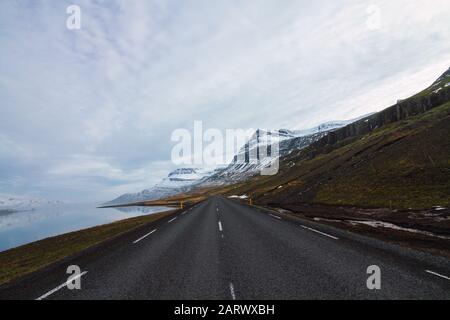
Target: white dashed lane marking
144	236
70	280
437	274
233	295
320	232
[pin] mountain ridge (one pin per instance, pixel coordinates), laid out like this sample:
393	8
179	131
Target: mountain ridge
177	181
350	166
189	178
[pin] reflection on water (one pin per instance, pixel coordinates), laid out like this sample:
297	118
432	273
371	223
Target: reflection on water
17	228
142	210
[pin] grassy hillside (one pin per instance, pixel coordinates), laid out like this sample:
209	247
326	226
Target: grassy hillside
405	164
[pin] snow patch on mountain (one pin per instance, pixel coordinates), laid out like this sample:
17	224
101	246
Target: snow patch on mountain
442	82
444	77
244	166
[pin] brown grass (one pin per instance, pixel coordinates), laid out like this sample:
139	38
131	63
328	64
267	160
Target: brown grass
25	259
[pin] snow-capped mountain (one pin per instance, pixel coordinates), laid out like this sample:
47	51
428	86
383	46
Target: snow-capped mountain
179	180
242	167
22	203
442	82
444	77
183	177
249	161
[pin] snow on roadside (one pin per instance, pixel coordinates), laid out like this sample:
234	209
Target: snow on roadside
244	196
381	224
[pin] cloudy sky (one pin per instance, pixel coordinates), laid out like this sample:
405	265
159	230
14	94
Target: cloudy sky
87	114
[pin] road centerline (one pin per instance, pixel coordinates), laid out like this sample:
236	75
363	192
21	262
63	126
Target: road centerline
220	226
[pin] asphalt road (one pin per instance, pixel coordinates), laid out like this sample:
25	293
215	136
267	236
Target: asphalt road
222	249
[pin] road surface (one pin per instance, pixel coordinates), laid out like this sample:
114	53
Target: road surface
222	249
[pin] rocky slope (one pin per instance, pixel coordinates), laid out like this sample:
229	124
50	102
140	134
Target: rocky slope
437	94
395	158
252	157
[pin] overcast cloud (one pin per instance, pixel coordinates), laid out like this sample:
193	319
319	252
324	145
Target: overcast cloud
88	114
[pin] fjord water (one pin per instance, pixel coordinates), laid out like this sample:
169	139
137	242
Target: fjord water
18	228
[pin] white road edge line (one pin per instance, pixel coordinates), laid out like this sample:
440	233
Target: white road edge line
437	274
61	286
172	220
220	226
276	217
143	237
232	291
320	232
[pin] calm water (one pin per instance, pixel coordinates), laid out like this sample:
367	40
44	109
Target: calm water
24	227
